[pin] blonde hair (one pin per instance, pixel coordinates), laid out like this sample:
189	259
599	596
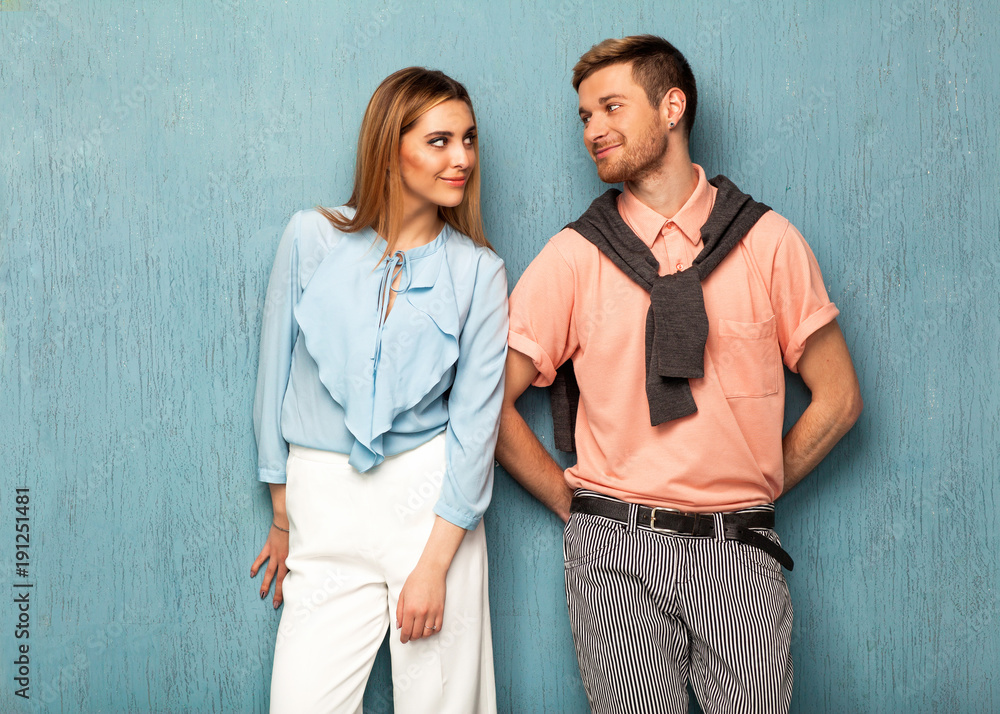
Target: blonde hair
657	67
377	198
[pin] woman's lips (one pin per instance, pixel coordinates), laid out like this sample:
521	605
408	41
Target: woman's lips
455	182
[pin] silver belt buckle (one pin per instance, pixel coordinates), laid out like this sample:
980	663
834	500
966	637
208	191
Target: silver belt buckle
652	519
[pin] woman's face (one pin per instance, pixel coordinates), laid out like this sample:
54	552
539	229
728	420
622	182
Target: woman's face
436	157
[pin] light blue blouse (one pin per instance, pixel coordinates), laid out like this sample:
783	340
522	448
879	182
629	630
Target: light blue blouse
335	375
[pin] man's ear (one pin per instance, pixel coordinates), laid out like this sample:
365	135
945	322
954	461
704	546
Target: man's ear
672	107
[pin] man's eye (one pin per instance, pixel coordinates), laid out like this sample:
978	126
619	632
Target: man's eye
612	107
585	120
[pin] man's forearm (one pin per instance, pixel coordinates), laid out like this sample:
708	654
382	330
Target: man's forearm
812	437
524	458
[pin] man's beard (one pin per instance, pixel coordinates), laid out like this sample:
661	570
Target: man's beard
636	159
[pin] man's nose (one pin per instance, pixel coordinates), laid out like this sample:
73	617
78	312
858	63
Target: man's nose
594	130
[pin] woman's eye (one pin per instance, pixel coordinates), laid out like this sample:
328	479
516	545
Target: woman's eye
469	139
438	142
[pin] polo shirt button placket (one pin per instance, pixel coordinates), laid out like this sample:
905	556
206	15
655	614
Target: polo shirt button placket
667	227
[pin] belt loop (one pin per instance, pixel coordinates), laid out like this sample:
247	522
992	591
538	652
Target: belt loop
633	515
720	527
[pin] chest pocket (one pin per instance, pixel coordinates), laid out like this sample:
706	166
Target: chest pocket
749	359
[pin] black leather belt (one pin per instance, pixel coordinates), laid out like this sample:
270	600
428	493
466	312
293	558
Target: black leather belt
666	520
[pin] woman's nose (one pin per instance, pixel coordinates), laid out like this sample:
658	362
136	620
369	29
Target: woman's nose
461	157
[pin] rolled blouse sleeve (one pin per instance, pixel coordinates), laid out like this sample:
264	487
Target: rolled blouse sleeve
277	338
474	403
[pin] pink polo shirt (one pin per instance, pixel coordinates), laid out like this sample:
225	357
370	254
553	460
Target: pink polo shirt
762	302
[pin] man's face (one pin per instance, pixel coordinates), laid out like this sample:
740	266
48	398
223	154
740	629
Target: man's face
623	133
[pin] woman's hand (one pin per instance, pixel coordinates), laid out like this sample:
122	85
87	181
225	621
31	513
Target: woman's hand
420	611
275	551
275	548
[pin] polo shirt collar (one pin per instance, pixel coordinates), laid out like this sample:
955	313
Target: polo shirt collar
647	223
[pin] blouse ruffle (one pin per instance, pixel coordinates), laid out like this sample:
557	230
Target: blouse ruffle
419	336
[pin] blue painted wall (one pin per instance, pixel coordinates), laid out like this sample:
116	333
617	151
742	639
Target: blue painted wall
150	155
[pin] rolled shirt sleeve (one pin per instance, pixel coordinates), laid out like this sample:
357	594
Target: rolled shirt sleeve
475	399
277	338
541	313
798	296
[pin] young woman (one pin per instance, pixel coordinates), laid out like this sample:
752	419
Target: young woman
376	412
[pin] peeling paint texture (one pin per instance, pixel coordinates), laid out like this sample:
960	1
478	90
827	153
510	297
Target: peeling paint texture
150	154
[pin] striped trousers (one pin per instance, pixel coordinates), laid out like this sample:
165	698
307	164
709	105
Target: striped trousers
652	611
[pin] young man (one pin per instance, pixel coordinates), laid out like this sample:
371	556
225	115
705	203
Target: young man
675	302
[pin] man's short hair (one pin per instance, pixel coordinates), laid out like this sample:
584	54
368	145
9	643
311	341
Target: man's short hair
657	67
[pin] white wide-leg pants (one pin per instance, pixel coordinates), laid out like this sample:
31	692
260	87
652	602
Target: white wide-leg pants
354	539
